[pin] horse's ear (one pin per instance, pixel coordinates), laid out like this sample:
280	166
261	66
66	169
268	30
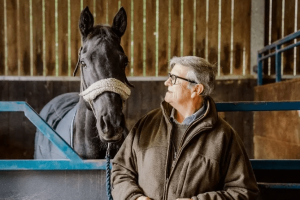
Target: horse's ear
86	22
120	22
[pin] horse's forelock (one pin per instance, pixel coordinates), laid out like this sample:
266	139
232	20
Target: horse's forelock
103	31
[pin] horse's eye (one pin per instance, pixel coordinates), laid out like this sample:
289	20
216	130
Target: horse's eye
83	63
125	64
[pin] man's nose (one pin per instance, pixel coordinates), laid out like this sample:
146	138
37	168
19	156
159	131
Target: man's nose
168	82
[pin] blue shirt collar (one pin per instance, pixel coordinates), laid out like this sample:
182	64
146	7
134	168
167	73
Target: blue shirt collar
192	118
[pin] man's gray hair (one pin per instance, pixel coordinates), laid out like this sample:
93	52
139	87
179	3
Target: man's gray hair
201	71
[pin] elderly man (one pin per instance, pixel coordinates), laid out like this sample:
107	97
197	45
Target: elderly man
183	150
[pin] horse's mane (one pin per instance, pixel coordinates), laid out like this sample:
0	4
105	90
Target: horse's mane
103	31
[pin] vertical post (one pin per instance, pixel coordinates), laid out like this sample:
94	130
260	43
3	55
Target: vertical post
259	69
278	64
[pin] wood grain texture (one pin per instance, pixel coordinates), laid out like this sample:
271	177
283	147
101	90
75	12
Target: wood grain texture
2	40
289	26
225	37
101	12
277	128
213	31
201	27
113	9
138	38
150	37
163	40
63	38
276	32
23	36
75	35
50	37
188	27
37	35
12	51
175	28
241	43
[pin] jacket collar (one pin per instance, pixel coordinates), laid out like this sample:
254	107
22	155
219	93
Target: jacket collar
208	120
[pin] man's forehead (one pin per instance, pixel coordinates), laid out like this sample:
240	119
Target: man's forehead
179	69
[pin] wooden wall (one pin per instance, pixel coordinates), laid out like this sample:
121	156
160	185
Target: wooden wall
41	37
281	19
276	133
17	133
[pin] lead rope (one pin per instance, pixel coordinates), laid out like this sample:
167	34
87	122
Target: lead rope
108	189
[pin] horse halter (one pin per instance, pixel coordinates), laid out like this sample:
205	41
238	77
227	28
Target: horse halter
104	85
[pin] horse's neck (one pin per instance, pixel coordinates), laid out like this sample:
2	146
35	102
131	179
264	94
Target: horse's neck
86	140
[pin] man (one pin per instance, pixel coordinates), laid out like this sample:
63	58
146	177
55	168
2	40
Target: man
183	150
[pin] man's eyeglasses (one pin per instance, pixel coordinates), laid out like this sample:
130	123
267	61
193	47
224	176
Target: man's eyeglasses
174	78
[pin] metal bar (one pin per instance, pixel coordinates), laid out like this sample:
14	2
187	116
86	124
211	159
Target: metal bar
258	106
259	69
267	56
47	130
289	47
275	164
278	64
52	165
281	50
280	42
289	186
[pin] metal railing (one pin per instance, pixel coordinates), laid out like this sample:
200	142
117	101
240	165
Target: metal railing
277	53
76	163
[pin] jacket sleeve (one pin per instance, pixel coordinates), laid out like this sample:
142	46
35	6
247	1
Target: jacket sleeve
124	171
238	177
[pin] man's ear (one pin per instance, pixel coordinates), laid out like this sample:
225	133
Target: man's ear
197	90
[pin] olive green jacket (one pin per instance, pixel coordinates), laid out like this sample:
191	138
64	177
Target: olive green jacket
211	162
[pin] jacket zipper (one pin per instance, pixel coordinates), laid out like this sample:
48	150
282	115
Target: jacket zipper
174	161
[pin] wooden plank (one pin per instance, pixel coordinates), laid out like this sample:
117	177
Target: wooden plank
289	26
241	43
200	28
213	31
37	35
50	37
150	37
63	38
163	40
175	27
2	42
138	38
188	26
126	39
101	12
113	8
276	27
12	51
75	34
225	37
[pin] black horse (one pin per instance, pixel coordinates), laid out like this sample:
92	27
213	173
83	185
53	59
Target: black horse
88	125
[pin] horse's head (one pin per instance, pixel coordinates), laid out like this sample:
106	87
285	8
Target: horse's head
102	60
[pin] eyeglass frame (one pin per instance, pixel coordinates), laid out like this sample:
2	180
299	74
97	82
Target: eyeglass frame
170	76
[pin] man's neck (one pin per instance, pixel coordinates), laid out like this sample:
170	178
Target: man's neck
187	110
